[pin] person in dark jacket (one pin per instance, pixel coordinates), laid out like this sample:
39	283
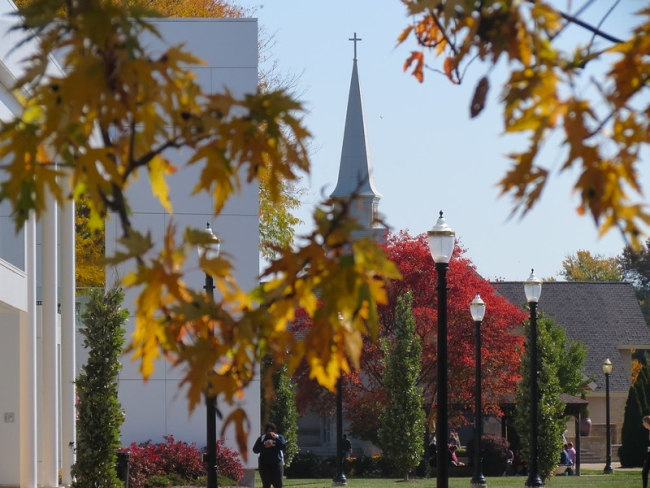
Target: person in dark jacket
347	447
270	448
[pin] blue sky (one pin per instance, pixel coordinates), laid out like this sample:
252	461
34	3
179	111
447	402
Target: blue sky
427	154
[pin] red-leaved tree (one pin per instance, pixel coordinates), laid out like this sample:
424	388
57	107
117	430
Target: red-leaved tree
501	344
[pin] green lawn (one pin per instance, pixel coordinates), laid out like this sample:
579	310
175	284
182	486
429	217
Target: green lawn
589	479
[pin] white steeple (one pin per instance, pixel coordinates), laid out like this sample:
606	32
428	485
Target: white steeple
355	170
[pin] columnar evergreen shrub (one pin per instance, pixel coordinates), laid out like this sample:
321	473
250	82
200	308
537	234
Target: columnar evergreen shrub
402	423
282	410
554	352
634	437
99	414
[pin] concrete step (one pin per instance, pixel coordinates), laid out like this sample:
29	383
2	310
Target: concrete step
588	456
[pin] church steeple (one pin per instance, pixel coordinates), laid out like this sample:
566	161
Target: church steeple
355	170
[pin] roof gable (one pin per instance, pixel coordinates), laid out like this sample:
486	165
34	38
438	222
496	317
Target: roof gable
605	316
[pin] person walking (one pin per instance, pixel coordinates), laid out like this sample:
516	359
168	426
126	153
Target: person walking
347	447
646	463
270	447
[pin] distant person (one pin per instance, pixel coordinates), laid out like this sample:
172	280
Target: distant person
518	465
347	447
573	455
453	458
564	456
433	453
565	460
454	440
270	447
510	469
646	463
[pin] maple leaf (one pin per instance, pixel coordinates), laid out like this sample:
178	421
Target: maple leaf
542	71
478	102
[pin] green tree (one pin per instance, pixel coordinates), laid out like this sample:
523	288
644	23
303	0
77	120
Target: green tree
99	413
280	408
90	249
118	111
277	221
583	266
560	370
636	270
634	438
402	421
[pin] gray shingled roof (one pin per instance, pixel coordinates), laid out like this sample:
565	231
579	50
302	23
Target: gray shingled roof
605	316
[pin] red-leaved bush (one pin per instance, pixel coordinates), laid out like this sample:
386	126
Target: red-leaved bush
185	460
228	462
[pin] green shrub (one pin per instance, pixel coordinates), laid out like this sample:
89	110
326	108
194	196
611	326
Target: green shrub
378	466
365	467
633	436
495	454
222	480
99	414
158	480
307	465
171	479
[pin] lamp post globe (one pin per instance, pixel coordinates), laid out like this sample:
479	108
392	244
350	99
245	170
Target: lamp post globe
441	245
441	241
210	250
607	370
533	290
212	247
477	310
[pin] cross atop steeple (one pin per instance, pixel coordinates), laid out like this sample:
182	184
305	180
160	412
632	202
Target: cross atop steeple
355	39
355	170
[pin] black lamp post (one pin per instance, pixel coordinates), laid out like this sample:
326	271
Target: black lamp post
533	289
339	479
477	309
441	245
211	251
607	370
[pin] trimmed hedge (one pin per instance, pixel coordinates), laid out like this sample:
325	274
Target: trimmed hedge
308	465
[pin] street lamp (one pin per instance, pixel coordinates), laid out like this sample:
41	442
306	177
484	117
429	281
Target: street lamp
339	479
533	290
211	251
607	370
441	245
477	309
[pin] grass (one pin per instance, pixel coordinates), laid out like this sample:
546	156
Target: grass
588	479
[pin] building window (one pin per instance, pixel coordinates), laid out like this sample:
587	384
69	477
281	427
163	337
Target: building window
326	431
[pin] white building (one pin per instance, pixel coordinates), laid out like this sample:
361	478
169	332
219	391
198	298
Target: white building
158	408
37	342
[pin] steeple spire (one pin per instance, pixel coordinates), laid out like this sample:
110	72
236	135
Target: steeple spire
355	170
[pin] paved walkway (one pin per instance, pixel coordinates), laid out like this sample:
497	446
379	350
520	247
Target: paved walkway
601	466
